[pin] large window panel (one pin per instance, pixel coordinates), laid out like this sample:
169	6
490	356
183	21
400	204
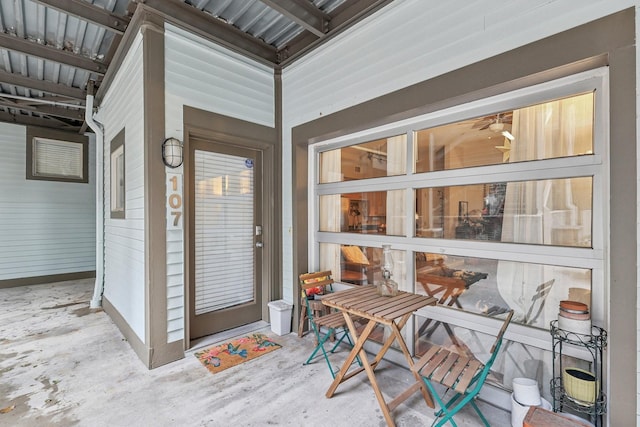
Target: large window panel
361	265
546	212
376	212
373	159
559	128
507	196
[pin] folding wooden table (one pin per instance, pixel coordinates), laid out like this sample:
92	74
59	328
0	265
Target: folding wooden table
364	302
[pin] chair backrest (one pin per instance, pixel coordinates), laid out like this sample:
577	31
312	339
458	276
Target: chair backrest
498	340
320	279
495	348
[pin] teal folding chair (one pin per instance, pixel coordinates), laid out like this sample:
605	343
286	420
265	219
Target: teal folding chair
464	375
329	325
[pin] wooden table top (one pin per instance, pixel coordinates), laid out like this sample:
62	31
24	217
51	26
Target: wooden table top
364	301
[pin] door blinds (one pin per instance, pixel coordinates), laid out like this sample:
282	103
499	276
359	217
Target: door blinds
224	221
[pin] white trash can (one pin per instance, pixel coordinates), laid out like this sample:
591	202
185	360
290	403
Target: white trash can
280	315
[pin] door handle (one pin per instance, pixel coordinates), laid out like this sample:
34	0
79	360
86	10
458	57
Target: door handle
259	244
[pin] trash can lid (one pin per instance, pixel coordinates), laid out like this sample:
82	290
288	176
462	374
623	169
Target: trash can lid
280	305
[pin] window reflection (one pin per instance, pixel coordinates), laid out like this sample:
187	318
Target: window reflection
373	159
547	212
376	212
559	128
361	265
493	287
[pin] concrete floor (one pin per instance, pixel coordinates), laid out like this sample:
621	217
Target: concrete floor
63	364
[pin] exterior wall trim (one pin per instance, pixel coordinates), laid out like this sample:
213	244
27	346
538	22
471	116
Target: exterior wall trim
606	41
40	280
155	227
129	334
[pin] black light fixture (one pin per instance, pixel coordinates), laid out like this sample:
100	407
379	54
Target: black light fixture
172	152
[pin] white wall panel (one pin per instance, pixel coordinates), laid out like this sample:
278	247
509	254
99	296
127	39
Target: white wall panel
47	227
122	107
203	75
415	40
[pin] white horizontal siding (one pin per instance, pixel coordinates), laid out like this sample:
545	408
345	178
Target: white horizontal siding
414	40
123	107
47	227
203	75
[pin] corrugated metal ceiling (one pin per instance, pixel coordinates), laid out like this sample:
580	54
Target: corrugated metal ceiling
53	51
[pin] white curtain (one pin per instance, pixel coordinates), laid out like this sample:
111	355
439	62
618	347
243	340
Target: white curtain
543	212
330	213
396	215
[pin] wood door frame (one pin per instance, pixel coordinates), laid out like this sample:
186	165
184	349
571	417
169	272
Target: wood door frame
228	130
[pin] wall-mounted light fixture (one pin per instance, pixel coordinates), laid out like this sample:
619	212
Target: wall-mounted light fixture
172	154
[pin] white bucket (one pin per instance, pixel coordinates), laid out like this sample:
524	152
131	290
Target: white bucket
526	391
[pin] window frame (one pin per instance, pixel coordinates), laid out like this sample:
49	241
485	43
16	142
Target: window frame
594	165
35	133
117	144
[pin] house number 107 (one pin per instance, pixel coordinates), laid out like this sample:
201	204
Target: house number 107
174	198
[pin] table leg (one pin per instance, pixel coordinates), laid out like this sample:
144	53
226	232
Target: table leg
387	344
376	389
403	346
357	348
368	367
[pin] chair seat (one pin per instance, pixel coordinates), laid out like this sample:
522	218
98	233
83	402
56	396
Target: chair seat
462	374
448	368
332	320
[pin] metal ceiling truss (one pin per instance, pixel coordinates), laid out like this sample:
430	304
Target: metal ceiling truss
88	12
344	16
46	110
303	13
316	26
42	85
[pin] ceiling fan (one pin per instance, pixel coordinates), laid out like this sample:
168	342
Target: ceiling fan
495	122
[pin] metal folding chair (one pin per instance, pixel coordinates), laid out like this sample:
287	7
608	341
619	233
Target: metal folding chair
328	325
464	375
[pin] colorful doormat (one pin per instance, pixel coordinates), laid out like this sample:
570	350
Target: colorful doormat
223	356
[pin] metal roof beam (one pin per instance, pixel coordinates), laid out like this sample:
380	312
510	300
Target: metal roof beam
18	44
88	12
345	15
25	120
206	25
44	110
42	85
303	13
